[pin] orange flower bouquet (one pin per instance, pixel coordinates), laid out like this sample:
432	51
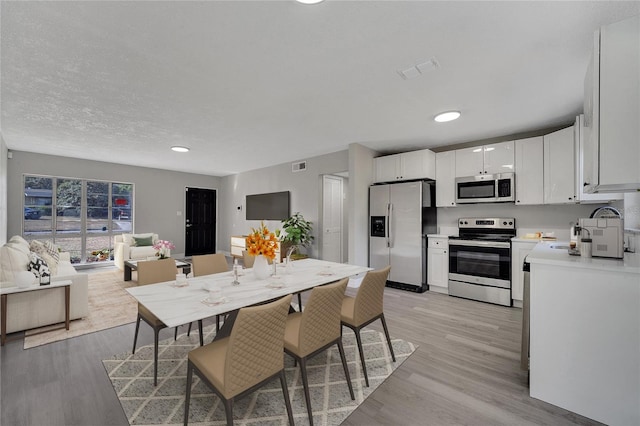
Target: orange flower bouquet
261	241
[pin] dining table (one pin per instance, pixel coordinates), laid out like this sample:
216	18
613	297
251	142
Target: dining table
175	303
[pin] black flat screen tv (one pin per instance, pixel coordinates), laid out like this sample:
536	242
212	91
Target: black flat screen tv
272	206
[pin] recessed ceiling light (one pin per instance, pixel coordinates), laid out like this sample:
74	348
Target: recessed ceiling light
309	1
180	148
447	116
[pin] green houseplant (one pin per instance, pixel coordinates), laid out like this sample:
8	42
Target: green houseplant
297	233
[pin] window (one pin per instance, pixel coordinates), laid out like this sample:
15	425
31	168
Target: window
81	216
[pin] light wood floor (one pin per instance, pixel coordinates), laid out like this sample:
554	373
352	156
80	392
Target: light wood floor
465	371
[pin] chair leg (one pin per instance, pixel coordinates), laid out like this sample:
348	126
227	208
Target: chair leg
228	409
285	392
175	334
346	368
135	336
364	366
305	384
386	332
155	357
201	333
189	330
188	393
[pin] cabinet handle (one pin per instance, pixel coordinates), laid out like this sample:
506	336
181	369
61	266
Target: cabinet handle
445	252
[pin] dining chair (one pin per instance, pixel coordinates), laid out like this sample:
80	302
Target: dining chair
317	328
151	272
251	356
366	307
207	264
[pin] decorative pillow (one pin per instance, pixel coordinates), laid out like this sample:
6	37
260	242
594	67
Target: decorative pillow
52	250
51	262
127	239
38	266
143	241
37	247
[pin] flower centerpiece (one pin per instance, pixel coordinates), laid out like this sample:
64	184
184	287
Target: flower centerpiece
262	244
163	248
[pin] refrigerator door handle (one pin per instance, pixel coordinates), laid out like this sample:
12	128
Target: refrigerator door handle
389	221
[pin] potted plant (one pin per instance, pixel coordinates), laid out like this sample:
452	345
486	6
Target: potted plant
297	233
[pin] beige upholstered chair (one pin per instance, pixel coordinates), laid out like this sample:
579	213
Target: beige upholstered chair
207	264
366	307
151	272
251	356
315	330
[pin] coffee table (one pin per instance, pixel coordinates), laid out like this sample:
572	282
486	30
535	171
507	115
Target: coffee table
132	265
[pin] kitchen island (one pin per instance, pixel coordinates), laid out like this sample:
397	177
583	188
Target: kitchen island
585	333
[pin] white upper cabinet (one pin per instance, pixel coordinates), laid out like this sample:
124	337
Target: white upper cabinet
486	159
559	167
406	166
445	179
529	166
584	162
612	108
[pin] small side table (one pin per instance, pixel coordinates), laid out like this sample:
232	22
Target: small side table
15	290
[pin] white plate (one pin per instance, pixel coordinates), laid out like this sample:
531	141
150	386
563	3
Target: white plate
220	301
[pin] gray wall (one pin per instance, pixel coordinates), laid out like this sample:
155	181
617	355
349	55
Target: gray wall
305	188
360	178
3	191
159	194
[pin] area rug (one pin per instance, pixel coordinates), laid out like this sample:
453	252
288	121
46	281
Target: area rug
109	306
144	404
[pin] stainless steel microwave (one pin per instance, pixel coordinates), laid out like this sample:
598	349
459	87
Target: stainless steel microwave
497	188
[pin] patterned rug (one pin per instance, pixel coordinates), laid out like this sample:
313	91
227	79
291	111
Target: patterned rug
109	306
144	404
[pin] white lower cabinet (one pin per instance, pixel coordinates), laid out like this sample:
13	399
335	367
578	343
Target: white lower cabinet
438	264
519	250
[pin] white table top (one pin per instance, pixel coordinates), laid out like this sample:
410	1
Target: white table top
134	263
175	306
52	284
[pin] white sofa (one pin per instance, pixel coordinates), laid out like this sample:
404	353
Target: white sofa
39	308
124	248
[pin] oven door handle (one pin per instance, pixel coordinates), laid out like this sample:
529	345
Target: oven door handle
475	243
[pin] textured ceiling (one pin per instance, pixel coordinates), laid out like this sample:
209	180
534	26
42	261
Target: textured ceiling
251	84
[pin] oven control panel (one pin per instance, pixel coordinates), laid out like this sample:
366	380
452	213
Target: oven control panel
492	223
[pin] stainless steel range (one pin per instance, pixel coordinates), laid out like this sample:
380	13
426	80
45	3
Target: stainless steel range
480	260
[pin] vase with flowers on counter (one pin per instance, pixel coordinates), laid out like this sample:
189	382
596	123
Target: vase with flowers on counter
163	249
262	244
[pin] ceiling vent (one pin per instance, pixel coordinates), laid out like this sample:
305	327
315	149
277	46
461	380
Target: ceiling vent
299	167
419	69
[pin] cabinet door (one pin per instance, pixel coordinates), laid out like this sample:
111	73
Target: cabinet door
559	167
518	252
529	169
499	157
584	163
438	267
412	165
619	149
387	168
445	179
469	162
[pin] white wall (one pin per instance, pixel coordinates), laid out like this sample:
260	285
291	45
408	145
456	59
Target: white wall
159	194
3	191
305	191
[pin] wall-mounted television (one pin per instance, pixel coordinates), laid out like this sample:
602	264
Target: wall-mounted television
271	206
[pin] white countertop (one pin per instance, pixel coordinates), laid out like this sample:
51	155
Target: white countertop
545	254
437	236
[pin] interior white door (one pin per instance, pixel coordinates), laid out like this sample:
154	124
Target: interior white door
332	205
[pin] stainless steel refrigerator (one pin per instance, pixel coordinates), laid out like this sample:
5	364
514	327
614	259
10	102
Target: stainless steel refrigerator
401	216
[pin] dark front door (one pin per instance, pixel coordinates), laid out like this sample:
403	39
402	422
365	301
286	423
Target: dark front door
200	221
